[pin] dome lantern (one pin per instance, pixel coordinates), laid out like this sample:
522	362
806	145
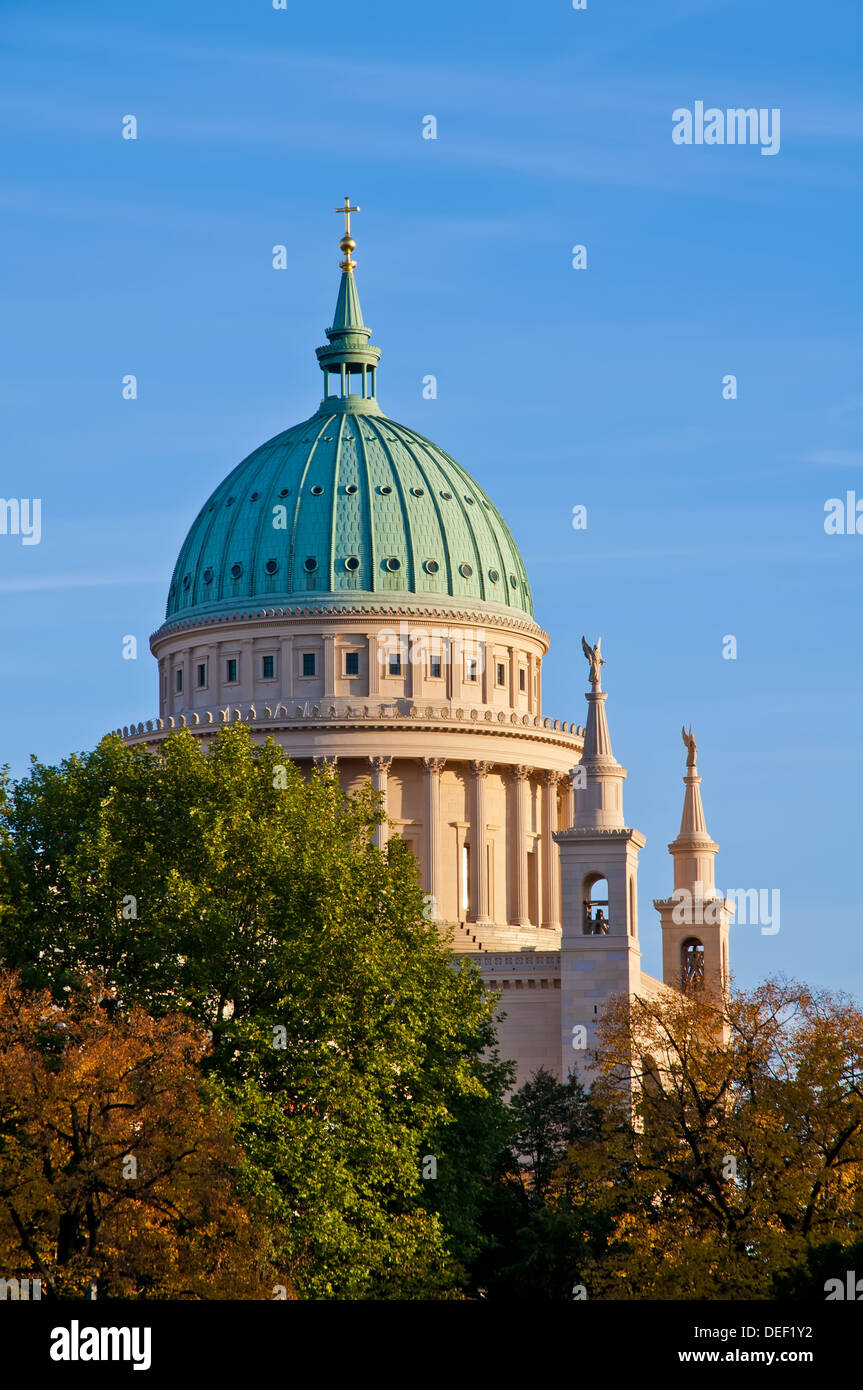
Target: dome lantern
348	352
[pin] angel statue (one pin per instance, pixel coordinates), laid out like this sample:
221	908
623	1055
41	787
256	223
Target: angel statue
596	662
689	741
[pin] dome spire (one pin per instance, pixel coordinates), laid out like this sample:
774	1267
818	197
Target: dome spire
347	243
349	352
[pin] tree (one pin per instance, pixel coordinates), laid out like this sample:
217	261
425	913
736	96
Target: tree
740	1144
218	882
114	1168
539	1222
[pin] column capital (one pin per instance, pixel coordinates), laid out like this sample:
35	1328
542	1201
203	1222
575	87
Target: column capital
520	772
380	764
433	764
480	769
326	760
552	779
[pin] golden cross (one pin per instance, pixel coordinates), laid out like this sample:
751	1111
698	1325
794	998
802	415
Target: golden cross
347	210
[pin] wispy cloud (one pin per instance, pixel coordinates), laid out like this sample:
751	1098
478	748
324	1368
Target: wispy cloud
48	583
835	458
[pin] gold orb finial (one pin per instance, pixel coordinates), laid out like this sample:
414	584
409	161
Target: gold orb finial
347	243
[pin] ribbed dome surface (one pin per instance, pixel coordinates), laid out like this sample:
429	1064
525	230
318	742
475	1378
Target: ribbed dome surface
347	505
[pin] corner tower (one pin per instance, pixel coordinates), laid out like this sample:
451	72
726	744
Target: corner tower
695	920
600	954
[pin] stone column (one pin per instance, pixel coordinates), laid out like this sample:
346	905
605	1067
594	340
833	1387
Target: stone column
479	843
455	654
374	665
380	771
287	669
417	658
434	831
329	665
550	870
487	672
568	804
518	847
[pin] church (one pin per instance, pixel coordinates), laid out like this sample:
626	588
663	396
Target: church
351	591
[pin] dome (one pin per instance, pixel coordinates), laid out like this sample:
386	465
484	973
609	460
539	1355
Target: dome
347	506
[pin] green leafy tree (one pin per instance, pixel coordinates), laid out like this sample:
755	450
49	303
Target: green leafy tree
539	1221
220	883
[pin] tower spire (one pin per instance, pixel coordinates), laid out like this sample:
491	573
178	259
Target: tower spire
598	780
693	851
695	919
348	353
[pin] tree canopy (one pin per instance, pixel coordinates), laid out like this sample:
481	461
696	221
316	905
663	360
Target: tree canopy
220	883
114	1168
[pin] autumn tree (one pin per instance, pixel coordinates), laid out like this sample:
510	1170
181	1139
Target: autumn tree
739	1149
219	882
115	1170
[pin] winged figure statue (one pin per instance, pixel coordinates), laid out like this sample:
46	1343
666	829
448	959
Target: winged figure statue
689	741
597	661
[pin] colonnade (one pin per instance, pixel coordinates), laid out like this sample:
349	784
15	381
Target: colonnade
520	837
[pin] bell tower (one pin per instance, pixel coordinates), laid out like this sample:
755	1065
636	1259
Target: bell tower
695	920
600	954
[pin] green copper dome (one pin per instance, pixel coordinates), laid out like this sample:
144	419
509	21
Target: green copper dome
347	507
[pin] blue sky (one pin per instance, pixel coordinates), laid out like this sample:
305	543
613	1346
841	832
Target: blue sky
556	387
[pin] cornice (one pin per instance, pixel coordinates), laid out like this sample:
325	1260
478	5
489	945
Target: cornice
318	715
270	616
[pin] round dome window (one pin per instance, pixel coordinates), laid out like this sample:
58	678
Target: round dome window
351	488
417	492
447	496
465	571
393	563
352	563
187	581
284	492
494	576
317	490
513	581
469	499
254	497
236	571
311	564
208	575
432	566
386	490
271	566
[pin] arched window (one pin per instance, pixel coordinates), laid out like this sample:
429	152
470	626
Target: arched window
691	965
596	921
